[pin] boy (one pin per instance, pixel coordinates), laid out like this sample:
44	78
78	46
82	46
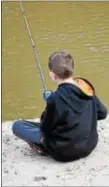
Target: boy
68	127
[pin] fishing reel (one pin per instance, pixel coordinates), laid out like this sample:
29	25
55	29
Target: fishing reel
46	94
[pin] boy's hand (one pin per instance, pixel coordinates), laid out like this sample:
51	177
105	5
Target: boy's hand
46	94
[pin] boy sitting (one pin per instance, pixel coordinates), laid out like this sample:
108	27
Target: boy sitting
68	127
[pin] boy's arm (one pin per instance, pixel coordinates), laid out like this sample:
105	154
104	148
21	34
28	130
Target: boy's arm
46	95
48	117
42	115
101	109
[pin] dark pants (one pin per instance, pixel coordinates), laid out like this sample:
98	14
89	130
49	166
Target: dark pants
28	131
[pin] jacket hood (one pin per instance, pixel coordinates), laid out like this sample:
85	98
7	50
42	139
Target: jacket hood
76	95
85	86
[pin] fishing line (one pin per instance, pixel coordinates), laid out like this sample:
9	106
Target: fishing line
34	48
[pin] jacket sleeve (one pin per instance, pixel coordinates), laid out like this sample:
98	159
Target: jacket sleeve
42	115
48	118
101	109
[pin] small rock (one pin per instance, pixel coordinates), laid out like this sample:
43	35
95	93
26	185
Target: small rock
4	154
16	138
57	176
39	178
6	171
92	169
25	154
44	178
17	147
7	139
102	128
69	169
15	172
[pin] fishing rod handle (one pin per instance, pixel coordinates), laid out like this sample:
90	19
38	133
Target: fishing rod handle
47	94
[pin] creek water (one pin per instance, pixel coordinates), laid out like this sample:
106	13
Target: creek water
81	28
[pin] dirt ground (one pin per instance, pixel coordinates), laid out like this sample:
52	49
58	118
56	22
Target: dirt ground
22	167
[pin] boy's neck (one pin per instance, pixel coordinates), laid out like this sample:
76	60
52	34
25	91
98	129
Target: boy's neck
69	80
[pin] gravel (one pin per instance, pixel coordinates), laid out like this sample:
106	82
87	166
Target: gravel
23	167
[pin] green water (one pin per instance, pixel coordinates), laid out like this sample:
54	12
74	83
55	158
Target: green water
80	27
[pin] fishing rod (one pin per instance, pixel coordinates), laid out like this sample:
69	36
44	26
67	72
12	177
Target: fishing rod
34	48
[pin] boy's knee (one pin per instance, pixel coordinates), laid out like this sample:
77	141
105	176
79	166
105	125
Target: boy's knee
16	127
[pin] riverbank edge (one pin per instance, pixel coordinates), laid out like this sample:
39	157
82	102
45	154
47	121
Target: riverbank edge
22	167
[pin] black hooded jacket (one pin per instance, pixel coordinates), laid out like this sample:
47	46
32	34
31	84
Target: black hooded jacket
69	124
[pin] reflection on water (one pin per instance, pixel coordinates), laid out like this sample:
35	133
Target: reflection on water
80	27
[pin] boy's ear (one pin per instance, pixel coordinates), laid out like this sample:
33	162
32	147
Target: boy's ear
52	75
